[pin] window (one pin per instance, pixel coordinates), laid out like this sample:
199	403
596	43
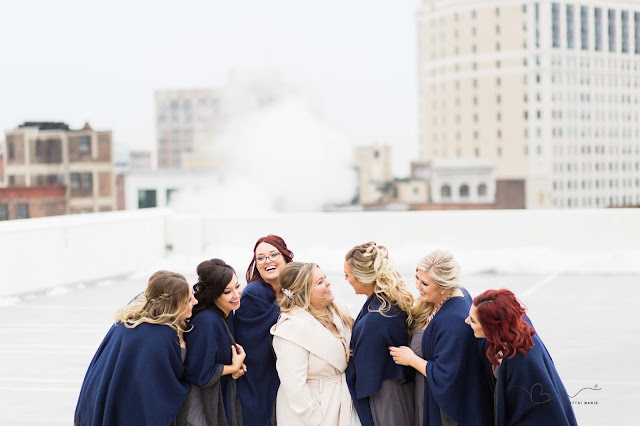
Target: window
75	180
85	144
170	192
464	191
4	212
445	191
22	211
555	25
570	38
624	38
39	147
482	190
597	31
611	15
86	180
636	31
584	28
12	151
537	19
146	198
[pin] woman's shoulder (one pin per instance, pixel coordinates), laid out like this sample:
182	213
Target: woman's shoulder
206	316
257	289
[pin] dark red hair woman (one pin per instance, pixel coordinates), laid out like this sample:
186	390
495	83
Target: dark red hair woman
258	311
528	389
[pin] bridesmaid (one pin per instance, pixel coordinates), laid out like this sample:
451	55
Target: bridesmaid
528	389
258	311
214	360
380	389
137	375
451	374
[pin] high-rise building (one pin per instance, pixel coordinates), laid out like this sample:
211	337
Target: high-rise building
51	169
547	90
186	122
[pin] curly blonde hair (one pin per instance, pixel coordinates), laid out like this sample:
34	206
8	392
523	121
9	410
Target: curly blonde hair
164	301
297	279
370	264
444	270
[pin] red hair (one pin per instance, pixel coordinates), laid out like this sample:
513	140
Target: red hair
278	243
502	319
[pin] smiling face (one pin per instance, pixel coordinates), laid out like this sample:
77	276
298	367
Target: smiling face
270	269
321	294
473	322
191	302
430	292
229	300
359	287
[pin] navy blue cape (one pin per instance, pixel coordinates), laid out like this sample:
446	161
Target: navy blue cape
208	350
457	381
371	363
530	391
135	378
258	388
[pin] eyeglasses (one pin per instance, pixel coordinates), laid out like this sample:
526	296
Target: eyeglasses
272	257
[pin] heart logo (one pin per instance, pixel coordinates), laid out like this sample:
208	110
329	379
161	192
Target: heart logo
537	394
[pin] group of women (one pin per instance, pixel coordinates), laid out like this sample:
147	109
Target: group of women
285	351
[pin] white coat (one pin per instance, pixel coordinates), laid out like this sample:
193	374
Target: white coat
311	362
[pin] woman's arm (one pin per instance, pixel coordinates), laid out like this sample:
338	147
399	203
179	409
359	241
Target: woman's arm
292	364
403	355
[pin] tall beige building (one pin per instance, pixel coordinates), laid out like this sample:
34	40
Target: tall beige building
186	123
547	90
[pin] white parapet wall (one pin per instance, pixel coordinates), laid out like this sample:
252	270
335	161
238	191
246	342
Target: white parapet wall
510	241
37	254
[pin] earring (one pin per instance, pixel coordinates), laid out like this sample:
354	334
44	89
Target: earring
442	292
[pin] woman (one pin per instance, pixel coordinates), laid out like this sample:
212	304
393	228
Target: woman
213	356
449	388
311	343
380	389
258	311
137	376
528	388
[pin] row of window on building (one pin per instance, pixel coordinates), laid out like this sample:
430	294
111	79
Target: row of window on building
603	184
77	180
597	31
463	191
611	201
22	211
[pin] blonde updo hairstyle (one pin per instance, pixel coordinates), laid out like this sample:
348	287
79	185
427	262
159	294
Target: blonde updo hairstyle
297	278
165	299
370	264
444	270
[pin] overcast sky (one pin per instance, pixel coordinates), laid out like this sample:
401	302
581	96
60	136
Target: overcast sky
100	62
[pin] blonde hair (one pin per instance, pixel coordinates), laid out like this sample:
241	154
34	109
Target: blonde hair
370	264
165	299
297	278
444	270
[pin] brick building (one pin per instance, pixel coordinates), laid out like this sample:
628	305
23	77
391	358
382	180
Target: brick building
50	156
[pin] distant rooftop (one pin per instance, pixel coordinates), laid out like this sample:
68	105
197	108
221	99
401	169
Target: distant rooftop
51	125
46	125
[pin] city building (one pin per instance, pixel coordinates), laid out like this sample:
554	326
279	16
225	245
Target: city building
50	169
433	185
548	91
186	124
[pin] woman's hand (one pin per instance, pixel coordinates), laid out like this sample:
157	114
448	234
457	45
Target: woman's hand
403	355
241	371
237	357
